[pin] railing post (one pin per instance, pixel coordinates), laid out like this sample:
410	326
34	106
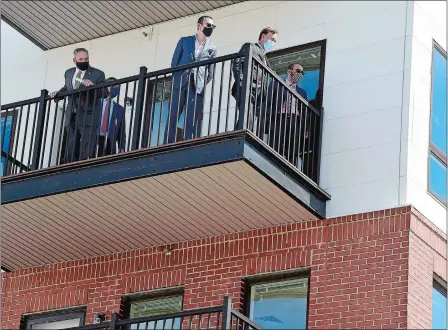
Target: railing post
319	152
115	317
139	108
226	313
40	123
245	92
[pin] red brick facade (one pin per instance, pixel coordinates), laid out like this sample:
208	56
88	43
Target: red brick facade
368	270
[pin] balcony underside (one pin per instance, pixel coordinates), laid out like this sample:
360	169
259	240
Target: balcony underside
51	24
153	197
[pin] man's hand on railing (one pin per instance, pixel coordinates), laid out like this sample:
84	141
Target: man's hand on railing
53	94
87	82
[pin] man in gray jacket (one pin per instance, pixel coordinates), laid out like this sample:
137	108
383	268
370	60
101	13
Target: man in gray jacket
82	113
266	41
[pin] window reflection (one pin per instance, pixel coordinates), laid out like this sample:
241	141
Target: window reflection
438	102
438	308
280	305
157	306
308	58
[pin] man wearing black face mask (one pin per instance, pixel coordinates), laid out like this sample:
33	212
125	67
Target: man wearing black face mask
82	113
285	118
189	85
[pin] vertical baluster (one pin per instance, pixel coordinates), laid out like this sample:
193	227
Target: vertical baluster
220	97
211	103
131	119
299	143
296	118
185	107
30	161
22	161
304	142
16	162
161	109
61	129
229	87
139	108
291	118
47	123
153	110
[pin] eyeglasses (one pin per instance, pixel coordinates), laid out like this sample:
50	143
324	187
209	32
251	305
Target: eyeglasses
213	26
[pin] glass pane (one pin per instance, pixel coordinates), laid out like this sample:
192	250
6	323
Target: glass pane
6	138
280	305
437	177
438	310
154	307
310	61
438	115
57	324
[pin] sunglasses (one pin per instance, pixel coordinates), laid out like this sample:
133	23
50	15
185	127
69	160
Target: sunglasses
209	25
299	71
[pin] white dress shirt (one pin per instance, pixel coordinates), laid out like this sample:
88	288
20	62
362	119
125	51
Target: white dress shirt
74	76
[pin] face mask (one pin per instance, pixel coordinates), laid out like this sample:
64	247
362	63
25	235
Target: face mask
114	92
268	45
82	65
295	77
207	31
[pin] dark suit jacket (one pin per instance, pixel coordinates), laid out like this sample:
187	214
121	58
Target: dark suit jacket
84	102
184	54
259	53
116	131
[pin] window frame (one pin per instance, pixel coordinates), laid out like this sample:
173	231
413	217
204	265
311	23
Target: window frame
275	277
323	50
128	299
434	150
28	320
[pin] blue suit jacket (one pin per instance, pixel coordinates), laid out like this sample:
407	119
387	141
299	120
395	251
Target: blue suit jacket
116	131
184	54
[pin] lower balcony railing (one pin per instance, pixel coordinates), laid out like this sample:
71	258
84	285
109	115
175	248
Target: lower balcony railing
155	108
220	317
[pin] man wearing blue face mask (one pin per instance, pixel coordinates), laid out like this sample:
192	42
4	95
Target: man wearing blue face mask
112	130
266	41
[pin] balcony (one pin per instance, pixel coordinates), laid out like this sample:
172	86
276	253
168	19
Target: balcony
219	317
173	177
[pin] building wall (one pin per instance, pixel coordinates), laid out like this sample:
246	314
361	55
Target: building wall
359	267
363	92
429	24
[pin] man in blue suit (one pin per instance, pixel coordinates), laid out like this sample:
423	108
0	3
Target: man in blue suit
189	85
112	130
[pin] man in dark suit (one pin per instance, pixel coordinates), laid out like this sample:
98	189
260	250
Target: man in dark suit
191	49
266	41
83	112
112	130
286	122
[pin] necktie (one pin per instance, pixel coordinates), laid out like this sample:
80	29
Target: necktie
78	79
105	118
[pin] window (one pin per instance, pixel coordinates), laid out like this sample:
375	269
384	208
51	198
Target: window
311	57
7	127
56	320
154	304
438	306
281	304
438	136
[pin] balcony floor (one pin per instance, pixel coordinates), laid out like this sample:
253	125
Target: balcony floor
152	197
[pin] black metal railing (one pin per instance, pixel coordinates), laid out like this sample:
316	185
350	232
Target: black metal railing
155	108
219	317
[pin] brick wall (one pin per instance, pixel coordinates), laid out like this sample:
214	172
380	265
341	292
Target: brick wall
359	267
